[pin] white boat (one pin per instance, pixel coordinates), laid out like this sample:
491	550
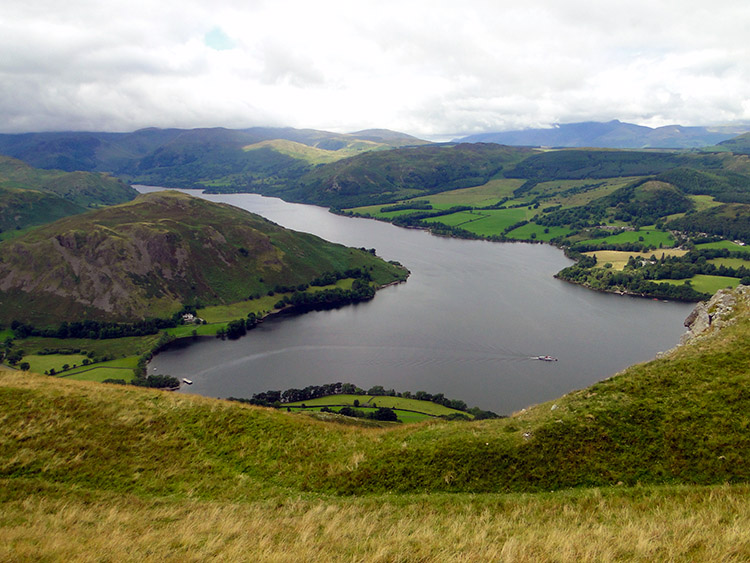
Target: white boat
187	381
546	358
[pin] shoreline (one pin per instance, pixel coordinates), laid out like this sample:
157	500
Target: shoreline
286	311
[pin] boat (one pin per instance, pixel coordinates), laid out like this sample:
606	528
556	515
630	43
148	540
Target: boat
187	381
546	358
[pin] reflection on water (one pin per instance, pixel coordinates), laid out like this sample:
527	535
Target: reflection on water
466	324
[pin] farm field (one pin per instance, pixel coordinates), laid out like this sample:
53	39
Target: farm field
532	231
111	347
43	363
652	237
425	407
730	262
486	222
708	284
724	244
122	368
619	258
478	196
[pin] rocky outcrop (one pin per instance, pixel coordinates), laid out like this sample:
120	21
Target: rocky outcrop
711	315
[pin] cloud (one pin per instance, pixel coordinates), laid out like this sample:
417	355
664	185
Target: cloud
427	67
217	39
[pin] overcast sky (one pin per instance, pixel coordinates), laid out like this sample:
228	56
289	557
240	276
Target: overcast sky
425	67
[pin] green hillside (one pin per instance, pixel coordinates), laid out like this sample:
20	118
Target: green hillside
386	176
31	196
650	464
149	257
208	157
739	144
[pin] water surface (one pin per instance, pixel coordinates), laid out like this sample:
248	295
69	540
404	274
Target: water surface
466	324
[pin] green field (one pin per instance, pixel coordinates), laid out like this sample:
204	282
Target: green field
397	403
42	364
122	368
730	262
704	202
651	237
708	284
478	196
487	222
532	231
113	347
724	244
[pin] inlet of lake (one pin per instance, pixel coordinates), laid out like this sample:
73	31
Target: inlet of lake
467	323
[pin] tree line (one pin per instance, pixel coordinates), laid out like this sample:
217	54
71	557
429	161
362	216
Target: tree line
93	330
327	298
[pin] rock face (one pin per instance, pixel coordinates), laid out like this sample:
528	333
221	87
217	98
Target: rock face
714	313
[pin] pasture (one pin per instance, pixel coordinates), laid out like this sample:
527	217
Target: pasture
121	368
724	244
373	401
708	284
44	363
486	222
649	236
619	258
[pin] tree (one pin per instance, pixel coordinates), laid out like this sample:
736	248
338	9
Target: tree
384	413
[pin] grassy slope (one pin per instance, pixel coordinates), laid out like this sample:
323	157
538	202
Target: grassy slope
79	458
313	155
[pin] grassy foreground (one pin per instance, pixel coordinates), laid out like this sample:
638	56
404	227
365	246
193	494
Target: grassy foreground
651	464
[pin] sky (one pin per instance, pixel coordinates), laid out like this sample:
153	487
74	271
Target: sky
431	68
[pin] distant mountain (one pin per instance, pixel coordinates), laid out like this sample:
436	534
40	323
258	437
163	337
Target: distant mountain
388	137
122	153
31	196
613	134
148	257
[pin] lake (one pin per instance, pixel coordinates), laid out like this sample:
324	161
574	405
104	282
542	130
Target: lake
466	324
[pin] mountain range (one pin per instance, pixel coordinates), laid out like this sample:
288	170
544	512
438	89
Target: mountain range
117	152
612	134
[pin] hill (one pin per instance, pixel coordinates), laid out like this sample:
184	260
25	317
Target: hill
30	196
649	464
149	257
613	134
385	176
184	157
740	144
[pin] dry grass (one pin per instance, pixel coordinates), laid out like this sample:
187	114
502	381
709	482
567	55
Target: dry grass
619	258
690	524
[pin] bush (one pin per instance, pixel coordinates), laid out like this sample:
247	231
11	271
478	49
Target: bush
157	382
